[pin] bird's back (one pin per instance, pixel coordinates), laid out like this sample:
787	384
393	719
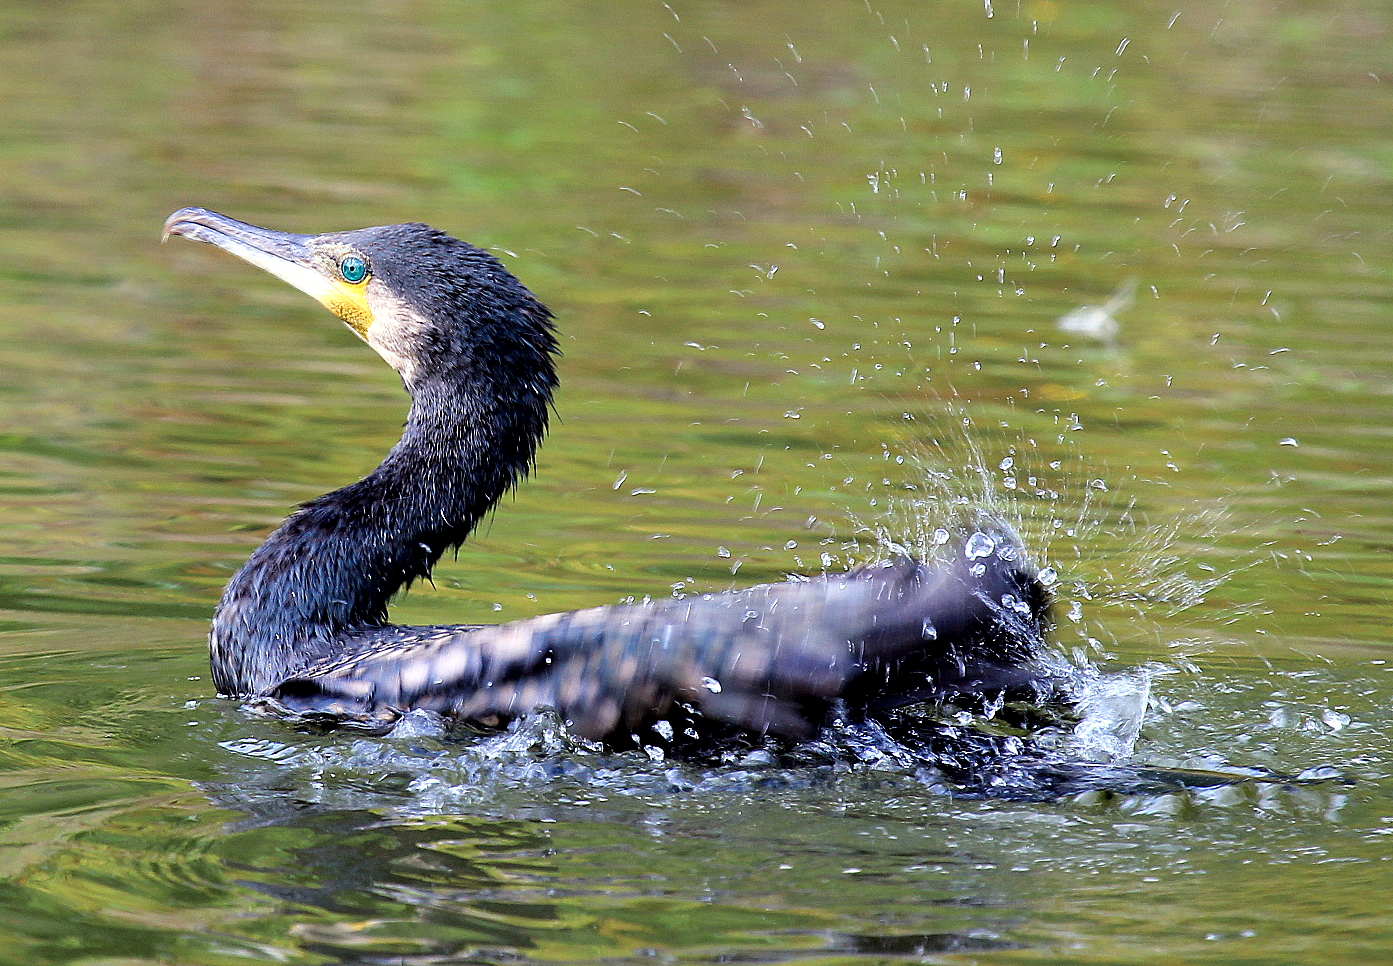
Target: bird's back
771	659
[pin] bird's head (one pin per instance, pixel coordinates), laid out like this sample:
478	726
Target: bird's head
430	304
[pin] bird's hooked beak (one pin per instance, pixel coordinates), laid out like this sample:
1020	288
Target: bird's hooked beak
292	258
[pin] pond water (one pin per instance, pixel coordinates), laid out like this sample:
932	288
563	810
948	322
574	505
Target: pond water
809	261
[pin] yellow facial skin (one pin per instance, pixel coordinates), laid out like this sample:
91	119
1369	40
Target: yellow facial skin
350	304
348	300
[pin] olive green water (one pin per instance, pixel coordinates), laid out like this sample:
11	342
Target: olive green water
802	254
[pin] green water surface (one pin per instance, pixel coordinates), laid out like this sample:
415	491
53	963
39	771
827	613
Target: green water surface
807	260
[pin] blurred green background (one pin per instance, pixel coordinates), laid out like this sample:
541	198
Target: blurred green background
808	261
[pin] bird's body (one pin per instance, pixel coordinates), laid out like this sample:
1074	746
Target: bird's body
303	625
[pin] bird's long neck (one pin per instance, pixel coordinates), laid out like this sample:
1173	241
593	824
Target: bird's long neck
332	567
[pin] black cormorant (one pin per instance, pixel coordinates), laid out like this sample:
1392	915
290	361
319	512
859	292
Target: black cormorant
303	625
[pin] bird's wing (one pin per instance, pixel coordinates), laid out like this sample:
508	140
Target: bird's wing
766	660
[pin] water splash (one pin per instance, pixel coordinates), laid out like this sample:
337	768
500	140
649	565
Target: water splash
1111	710
1000	750
1115	576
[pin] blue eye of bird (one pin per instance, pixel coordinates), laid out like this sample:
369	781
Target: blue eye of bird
353	269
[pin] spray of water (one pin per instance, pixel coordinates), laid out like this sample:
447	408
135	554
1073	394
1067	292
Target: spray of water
1112	571
1115	576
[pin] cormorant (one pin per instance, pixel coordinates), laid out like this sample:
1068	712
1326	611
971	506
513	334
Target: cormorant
303	625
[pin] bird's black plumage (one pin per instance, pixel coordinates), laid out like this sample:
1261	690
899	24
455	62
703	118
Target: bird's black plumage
304	623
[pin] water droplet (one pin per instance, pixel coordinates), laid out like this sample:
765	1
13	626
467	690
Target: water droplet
1013	603
930	633
979	545
712	685
940	537
1048	577
1288	441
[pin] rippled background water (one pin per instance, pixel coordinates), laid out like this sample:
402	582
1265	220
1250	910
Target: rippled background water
805	257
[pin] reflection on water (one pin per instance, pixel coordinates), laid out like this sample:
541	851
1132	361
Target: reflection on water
809	263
